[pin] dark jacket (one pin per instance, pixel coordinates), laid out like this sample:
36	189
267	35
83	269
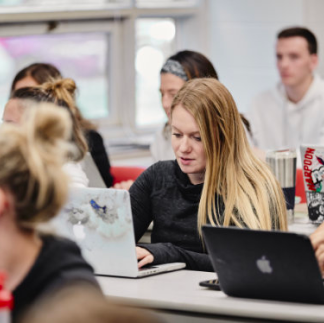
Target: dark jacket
58	264
99	155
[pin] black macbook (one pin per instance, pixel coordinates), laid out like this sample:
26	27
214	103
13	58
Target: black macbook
265	264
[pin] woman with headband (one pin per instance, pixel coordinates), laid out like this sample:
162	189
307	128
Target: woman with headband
216	178
178	69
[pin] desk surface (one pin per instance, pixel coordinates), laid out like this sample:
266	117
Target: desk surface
302	225
179	291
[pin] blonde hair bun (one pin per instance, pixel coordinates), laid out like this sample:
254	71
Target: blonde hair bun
59	85
31	158
48	122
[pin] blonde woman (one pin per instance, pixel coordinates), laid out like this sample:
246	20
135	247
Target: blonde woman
33	188
215	179
61	92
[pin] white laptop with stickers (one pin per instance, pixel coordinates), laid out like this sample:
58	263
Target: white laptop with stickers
100	221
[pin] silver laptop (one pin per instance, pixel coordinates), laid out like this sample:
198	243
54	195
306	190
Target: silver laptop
100	221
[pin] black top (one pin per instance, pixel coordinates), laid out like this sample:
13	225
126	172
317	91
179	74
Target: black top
164	194
99	155
58	264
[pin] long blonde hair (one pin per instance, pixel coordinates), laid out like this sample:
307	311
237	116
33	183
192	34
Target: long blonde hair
234	175
62	93
31	159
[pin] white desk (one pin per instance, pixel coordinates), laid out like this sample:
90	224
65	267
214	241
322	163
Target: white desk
177	297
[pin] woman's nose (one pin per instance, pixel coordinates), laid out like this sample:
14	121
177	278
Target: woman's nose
184	145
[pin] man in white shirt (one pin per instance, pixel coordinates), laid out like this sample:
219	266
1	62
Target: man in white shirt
293	112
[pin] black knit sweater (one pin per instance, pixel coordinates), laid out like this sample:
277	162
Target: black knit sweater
163	194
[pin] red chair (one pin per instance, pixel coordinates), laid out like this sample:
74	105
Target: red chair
125	173
300	188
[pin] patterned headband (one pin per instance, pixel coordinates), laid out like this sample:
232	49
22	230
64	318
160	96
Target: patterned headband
175	68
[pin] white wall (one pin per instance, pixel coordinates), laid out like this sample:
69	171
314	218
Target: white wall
313	18
242	36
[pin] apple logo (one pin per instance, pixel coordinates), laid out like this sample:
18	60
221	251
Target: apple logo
78	230
264	265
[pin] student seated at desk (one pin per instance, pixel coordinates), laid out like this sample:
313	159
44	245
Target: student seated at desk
40	73
61	92
216	178
178	69
33	188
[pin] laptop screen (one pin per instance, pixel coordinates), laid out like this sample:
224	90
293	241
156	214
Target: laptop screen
264	264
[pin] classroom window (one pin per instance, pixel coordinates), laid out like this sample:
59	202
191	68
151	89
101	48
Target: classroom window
114	51
165	3
61	2
155	42
83	57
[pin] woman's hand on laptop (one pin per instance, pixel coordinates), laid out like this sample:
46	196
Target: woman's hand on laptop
144	257
317	240
124	185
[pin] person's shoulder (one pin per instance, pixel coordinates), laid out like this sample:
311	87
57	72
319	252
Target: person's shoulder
66	259
267	93
94	139
163	165
59	263
266	97
319	83
58	244
93	134
159	170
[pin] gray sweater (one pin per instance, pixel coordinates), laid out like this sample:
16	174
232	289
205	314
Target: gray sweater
163	194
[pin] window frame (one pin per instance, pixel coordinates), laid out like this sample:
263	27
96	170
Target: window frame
119	23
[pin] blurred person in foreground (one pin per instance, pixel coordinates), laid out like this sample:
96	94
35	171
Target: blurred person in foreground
83	304
33	188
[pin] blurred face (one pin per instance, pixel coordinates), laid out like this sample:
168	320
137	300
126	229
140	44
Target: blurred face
12	112
187	145
170	85
294	61
25	82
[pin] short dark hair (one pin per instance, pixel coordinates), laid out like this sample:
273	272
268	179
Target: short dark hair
301	32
